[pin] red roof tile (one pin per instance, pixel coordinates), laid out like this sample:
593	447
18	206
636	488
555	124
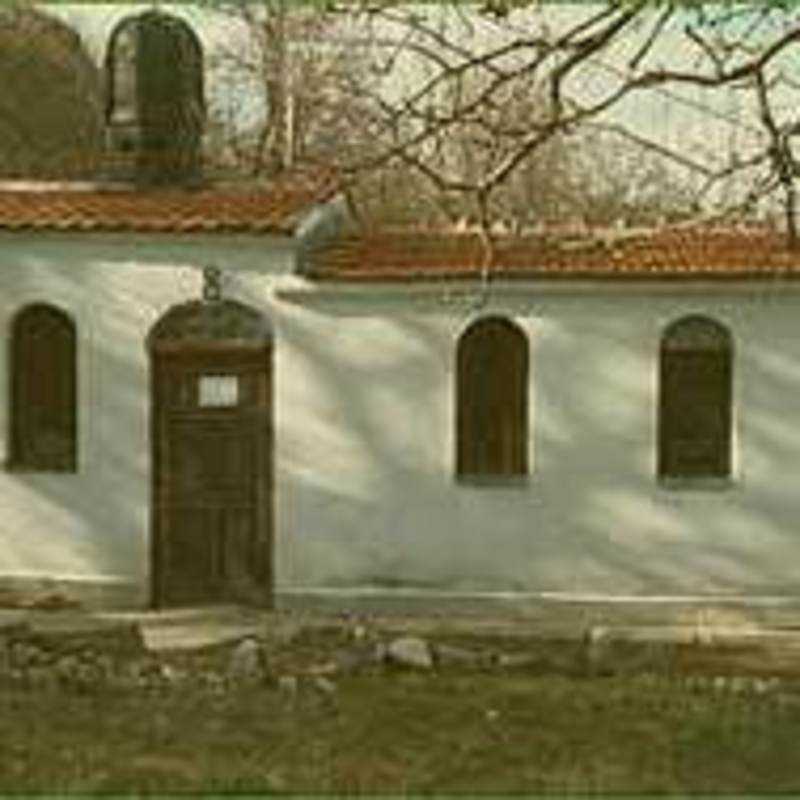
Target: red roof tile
273	208
686	253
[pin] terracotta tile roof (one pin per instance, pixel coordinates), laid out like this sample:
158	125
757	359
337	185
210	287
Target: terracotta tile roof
274	208
682	252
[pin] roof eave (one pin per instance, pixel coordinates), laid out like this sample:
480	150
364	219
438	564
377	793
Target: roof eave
554	275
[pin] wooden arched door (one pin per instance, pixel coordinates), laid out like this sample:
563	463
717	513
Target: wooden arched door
212	446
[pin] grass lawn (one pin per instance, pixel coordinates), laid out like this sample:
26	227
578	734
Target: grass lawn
394	731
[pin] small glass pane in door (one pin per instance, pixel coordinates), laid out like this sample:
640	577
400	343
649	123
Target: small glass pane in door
218	391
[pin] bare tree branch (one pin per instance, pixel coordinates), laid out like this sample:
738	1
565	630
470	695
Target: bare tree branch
476	127
648	144
781	157
661	22
592	45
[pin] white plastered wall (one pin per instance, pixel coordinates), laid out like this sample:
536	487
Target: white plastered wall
92	526
366	416
365	495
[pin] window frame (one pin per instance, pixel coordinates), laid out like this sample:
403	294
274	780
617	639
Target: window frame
700	339
508	464
21	455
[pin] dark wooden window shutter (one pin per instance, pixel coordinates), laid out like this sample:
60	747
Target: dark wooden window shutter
492	400
169	81
43	391
695	399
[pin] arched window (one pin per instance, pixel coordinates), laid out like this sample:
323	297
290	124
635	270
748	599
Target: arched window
155	102
492	400
43	391
694	432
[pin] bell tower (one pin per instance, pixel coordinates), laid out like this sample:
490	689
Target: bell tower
155	109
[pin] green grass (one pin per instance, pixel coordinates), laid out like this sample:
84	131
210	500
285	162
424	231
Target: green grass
405	732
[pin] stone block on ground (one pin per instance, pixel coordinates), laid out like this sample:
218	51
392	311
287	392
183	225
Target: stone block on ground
410	651
359	633
247	661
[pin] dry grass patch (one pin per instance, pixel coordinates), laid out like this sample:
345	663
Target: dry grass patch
396	731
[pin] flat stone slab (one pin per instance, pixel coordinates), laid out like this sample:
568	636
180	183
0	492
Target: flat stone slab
170	630
745	635
189	628
410	651
188	637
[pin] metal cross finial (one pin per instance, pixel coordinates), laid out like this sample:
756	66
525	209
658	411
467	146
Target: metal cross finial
212	287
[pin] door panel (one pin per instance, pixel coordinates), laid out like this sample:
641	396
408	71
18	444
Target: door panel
212	481
211	462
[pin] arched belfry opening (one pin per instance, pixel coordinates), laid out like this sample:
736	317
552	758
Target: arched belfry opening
155	103
212	452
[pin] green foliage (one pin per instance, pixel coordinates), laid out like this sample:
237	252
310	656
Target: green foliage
50	106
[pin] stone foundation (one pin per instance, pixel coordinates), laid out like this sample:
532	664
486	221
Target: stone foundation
54	593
